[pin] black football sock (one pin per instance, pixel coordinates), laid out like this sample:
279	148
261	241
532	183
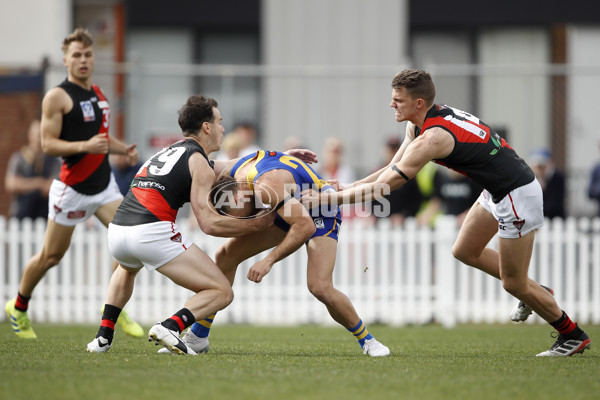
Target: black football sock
179	321
109	318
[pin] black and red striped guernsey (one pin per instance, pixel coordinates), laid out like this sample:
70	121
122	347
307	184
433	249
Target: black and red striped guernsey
479	152
161	186
86	173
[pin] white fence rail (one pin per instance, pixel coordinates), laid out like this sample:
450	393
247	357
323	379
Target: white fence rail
393	276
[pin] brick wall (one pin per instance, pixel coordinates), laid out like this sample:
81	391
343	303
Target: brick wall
17	109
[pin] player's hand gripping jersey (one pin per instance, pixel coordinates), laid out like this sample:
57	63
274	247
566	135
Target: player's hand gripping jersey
479	152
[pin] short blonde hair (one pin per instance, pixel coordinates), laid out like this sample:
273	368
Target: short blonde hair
78	35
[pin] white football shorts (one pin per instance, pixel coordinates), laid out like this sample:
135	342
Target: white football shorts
68	207
148	245
519	212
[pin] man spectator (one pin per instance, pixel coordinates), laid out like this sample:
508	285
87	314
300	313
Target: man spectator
552	182
29	175
594	187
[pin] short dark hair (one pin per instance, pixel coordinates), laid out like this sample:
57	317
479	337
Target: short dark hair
196	111
78	35
418	84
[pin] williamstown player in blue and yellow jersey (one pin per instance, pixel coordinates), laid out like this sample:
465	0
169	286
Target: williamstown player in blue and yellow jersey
277	180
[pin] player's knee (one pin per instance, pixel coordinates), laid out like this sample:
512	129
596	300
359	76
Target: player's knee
514	286
226	295
221	255
224	259
321	290
48	261
460	254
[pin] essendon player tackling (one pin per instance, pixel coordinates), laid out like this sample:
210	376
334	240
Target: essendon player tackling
510	205
75	122
144	233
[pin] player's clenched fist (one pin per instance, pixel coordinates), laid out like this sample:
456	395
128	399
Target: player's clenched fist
259	270
98	144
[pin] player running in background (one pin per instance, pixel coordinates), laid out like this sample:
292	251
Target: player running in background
276	179
75	121
511	204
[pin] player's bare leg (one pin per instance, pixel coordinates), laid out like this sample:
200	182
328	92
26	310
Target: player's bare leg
236	250
511	265
470	246
195	271
56	242
515	255
228	257
321	262
105	213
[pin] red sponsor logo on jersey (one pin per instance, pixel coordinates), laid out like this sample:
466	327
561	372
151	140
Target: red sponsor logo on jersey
519	224
176	237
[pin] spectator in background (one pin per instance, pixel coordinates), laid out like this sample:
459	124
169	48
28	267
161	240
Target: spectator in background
332	167
454	194
231	146
242	138
29	175
594	187
293	142
551	180
412	199
396	216
247	134
123	171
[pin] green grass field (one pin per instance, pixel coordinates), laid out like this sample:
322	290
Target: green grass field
304	362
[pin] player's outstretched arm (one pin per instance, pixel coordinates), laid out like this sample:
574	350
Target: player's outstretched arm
436	144
409	136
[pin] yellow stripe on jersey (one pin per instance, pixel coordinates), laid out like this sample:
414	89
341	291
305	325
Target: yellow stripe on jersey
332	229
253	171
295	162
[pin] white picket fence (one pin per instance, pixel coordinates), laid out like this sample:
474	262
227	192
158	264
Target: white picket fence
393	276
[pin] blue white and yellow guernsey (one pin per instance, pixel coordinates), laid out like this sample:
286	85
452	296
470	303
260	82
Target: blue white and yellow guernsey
327	219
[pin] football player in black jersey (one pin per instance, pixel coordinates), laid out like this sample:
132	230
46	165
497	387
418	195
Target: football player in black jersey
75	122
511	204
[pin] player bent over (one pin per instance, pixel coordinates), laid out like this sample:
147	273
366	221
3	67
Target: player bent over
275	178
